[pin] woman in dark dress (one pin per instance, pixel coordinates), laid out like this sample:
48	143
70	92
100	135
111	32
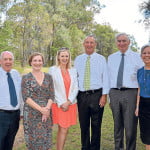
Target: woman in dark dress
143	99
38	95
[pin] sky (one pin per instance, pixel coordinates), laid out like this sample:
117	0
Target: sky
123	15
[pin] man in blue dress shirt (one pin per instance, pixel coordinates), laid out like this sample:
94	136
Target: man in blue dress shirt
9	109
93	88
122	68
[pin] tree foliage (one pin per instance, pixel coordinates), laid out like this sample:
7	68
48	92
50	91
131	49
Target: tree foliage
145	10
47	25
105	39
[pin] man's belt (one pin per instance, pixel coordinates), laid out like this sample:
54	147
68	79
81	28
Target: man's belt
91	91
9	111
123	89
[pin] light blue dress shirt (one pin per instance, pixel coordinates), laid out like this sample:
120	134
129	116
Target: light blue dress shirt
98	72
132	62
4	89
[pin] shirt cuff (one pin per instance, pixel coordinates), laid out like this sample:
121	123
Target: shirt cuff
105	91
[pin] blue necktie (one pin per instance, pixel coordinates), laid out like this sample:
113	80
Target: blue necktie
12	90
120	73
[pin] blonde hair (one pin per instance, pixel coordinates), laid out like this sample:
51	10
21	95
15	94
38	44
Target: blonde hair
63	49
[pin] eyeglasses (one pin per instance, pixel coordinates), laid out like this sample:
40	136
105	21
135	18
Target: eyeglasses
63	48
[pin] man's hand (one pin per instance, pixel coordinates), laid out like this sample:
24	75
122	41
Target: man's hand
103	100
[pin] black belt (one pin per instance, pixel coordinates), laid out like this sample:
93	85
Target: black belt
91	91
123	89
9	111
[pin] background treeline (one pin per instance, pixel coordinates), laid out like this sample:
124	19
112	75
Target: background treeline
44	26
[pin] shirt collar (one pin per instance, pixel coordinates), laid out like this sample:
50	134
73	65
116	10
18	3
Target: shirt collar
3	71
86	55
126	53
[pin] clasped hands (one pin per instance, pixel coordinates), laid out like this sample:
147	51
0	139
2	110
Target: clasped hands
65	106
45	113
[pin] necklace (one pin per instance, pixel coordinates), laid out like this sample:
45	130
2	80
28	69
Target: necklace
146	76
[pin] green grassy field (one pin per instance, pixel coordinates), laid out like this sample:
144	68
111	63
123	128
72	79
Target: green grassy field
73	139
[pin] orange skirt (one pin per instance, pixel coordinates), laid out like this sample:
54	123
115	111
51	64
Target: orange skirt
64	119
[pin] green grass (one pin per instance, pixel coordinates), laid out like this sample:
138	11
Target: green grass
28	69
73	138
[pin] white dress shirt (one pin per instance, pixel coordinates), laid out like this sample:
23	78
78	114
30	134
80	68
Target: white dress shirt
132	62
4	89
98	72
59	87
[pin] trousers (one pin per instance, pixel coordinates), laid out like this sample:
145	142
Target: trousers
123	104
9	124
90	115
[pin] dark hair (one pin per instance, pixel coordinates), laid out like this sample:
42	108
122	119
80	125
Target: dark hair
33	55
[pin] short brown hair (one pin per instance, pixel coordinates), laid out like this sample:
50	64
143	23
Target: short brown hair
33	55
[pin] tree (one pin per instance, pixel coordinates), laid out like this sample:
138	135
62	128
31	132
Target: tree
31	28
133	43
45	26
145	10
105	39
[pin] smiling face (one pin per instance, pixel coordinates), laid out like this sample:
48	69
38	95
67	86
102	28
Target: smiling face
6	61
89	45
146	56
37	63
64	58
122	43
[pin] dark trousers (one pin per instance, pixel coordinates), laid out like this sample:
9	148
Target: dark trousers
90	114
9	124
123	104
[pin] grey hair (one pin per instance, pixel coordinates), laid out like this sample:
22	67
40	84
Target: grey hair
120	34
144	46
6	52
92	37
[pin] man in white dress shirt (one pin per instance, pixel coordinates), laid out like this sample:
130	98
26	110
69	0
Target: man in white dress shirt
9	106
93	88
122	68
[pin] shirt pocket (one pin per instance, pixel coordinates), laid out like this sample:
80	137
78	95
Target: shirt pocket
131	71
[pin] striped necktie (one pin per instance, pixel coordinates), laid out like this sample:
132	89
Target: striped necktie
87	74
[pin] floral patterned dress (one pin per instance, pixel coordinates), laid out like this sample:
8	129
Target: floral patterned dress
38	134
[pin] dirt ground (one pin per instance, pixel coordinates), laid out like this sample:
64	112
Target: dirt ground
20	136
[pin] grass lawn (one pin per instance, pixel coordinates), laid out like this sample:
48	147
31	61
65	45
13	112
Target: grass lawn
73	139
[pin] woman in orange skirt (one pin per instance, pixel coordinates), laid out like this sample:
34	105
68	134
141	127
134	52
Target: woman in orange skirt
64	108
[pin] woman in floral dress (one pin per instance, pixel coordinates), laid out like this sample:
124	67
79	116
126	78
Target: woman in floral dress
38	95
